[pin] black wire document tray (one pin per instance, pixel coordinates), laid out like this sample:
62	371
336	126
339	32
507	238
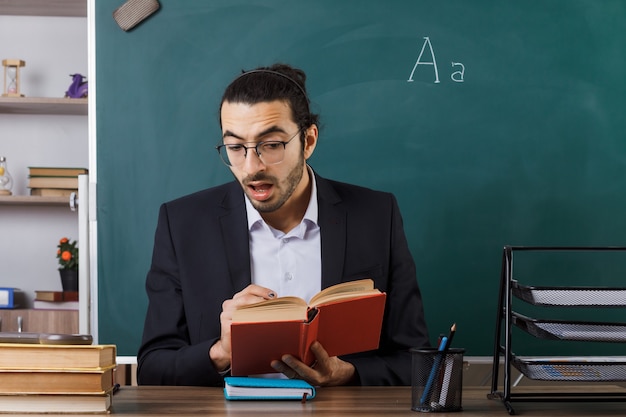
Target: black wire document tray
571	330
573	369
570	296
590	298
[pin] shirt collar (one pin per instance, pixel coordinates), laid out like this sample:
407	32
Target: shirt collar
310	215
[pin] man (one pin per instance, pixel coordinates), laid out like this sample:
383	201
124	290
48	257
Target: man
279	229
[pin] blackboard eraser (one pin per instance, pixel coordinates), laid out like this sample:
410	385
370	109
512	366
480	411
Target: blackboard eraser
133	12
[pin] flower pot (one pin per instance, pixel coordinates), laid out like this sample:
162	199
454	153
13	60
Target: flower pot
69	279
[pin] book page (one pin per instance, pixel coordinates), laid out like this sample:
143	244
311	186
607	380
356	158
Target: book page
344	290
295	308
278	309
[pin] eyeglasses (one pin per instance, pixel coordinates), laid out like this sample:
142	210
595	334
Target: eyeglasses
270	152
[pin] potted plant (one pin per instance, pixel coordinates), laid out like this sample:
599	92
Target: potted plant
67	254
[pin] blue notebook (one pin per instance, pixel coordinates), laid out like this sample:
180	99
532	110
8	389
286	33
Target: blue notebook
250	388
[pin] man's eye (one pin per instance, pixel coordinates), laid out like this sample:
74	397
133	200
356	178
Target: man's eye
271	146
234	148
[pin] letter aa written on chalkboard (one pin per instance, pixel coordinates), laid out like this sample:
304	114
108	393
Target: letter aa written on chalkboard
457	76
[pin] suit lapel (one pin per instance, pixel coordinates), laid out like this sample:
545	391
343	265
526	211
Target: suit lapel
332	221
234	224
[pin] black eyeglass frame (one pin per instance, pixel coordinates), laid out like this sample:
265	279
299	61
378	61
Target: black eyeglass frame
256	149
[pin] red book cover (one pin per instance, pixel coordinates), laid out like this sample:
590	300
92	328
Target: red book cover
342	327
256	345
42	295
351	326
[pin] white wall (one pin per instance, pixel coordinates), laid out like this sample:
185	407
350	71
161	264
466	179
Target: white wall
53	48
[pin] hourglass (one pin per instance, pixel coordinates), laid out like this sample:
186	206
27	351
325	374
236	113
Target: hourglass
12	77
6	182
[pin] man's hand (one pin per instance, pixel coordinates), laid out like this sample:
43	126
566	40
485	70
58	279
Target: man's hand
326	371
220	352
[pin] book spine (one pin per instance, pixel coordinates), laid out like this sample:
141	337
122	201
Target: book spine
308	335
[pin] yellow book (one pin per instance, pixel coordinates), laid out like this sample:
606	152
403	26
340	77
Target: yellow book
52	356
53	182
56	381
55	403
53	192
56	171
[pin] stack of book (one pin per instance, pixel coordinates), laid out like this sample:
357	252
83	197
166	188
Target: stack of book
54	181
56	300
56	378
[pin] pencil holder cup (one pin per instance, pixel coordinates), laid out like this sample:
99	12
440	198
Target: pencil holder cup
436	380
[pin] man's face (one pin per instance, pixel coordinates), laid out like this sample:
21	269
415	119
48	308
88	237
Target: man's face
268	187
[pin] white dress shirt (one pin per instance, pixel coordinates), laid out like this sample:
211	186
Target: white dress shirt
288	263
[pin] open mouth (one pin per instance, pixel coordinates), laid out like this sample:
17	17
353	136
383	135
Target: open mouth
260	191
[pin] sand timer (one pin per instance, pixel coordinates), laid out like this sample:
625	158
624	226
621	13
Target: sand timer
12	77
6	182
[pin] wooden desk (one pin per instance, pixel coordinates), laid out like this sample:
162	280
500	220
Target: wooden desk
356	401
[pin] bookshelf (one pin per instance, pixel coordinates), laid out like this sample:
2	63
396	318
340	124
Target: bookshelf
23	200
67	8
44	129
44	105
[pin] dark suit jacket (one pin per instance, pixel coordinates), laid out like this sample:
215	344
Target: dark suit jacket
201	258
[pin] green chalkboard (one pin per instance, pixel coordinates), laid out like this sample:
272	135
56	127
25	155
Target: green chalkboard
515	136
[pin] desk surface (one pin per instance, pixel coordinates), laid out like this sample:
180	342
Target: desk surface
357	401
350	401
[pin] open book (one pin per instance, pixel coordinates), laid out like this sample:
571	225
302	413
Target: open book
345	318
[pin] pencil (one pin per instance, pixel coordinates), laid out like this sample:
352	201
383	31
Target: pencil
450	336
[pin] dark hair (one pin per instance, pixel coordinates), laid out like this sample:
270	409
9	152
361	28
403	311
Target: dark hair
277	82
